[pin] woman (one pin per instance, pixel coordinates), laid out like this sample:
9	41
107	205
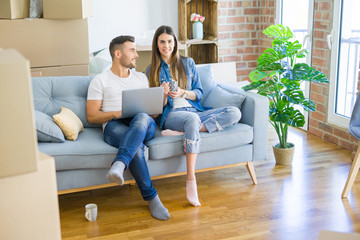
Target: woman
183	112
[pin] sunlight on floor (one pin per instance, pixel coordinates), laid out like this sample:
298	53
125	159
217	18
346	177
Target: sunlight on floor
301	189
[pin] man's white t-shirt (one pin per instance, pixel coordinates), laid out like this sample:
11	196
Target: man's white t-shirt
108	87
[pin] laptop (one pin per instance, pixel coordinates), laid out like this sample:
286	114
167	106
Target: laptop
143	100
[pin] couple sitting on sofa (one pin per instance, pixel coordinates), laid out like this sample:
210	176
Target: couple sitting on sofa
183	114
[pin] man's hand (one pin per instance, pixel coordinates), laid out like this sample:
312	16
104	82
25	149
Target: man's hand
118	114
95	115
154	116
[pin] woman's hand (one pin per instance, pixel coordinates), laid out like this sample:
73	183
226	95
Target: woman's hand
166	88
166	92
179	92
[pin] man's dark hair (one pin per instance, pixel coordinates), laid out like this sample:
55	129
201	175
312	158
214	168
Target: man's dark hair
117	42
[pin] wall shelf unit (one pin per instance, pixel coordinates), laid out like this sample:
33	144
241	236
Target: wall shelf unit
205	50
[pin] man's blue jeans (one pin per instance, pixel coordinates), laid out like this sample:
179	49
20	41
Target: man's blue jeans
129	135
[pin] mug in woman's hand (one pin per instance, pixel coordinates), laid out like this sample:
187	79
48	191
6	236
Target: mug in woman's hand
173	85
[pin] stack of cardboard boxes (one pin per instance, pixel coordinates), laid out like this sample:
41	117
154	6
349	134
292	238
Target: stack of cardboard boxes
28	203
56	45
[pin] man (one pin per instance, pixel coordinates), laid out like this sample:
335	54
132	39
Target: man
128	135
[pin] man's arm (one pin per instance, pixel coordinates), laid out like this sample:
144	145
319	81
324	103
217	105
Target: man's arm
95	115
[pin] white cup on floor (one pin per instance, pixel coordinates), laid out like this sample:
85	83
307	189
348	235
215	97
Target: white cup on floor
91	212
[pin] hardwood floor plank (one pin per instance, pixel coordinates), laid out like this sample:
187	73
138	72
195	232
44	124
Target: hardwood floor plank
289	202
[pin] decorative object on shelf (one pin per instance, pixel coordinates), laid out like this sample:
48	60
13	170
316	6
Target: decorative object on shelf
278	77
197	26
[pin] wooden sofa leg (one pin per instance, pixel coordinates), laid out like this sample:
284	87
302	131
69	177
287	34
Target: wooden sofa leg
250	168
352	174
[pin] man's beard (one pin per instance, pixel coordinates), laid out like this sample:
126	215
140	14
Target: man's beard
127	64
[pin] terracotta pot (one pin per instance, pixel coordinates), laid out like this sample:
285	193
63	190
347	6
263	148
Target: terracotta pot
284	156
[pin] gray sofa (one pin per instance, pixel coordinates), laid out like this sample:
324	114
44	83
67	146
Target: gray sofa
85	162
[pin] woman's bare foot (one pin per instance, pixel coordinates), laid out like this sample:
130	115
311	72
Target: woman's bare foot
169	132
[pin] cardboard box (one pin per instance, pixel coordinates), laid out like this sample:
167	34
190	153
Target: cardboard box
330	235
29	204
12	9
67	9
18	141
47	42
71	70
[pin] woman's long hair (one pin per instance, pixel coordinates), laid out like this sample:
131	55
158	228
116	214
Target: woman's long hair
177	69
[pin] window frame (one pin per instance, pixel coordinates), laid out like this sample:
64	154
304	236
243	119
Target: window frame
334	38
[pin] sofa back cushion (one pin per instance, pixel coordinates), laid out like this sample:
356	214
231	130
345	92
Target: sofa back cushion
52	93
214	95
207	80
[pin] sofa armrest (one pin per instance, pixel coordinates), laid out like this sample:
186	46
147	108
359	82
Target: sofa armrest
255	112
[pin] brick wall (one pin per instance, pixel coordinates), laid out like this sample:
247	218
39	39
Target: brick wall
240	26
267	18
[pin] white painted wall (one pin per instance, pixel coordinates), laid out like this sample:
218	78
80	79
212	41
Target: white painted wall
112	18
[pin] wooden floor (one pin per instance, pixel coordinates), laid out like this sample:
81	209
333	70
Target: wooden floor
289	203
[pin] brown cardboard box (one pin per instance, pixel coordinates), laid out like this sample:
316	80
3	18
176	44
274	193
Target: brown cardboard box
12	9
67	9
70	70
29	204
47	42
18	142
330	235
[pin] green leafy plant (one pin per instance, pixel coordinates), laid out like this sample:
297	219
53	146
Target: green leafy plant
278	76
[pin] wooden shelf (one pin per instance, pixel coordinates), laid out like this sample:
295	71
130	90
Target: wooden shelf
196	48
199	41
203	53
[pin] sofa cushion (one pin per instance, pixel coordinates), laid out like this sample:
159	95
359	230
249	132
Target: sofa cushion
69	123
170	146
47	130
88	151
207	79
51	93
219	97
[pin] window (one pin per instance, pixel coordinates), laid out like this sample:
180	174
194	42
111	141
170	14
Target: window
344	73
292	13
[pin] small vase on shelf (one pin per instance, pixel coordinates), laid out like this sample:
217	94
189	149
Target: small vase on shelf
198	30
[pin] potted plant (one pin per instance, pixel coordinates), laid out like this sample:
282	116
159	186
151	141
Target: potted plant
278	77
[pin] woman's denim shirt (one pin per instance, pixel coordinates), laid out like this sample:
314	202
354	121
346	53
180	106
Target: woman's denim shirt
193	84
